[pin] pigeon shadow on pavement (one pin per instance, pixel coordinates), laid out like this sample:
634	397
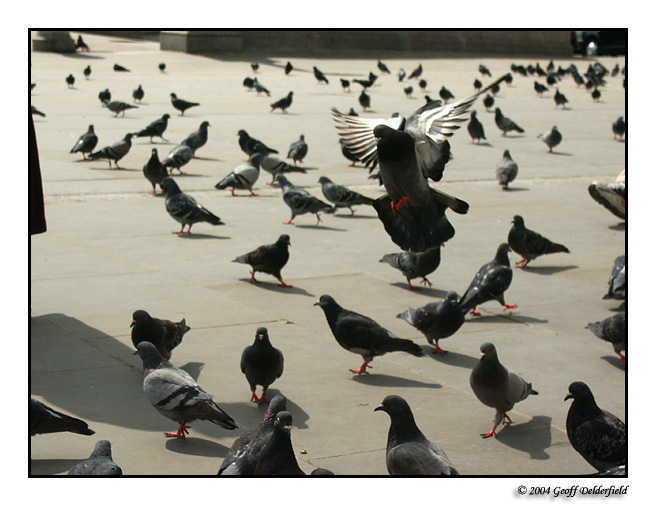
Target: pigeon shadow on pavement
113	169
197	447
505	318
383	380
514	189
452	358
423	291
620	226
532	437
320	227
208	158
353	217
614	361
196	235
53	466
193	368
620	308
82	56
561	153
547	270
485	143
275	287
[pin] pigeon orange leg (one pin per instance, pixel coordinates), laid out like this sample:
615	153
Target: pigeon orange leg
622	357
506	419
283	284
254	398
522	264
182	431
262	399
438	350
425	281
319	219
288	222
474	312
411	287
491	433
352	211
253	193
509	307
232	192
365	365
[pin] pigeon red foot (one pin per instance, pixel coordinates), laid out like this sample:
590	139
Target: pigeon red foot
253	279
283	284
397	205
522	264
362	370
438	350
474	312
509	307
182	431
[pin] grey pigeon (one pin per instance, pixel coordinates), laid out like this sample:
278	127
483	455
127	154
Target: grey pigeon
415	264
182	105
408	451
365	100
87	71
176	395
86	143
248	144
301	201
120	68
436	320
177	158
243	177
617	280
490	283
114	152
138	94
99	462
475	128
268	259
618	128
298	150
319	75
162	333
243	455
198	138
529	244
277	455
560	99
552	138
44	419
117	106
104	96
383	67
155	128
613	330
597	435
70	80
260	88
416	73
184	209
342	197
361	335
283	104
506	170
484	70
505	124
153	170
261	364
274	165
80	44
497	387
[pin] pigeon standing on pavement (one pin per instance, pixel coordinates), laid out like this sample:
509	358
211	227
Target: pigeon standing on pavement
401	75
288	68
255	66
497	387
44	419
408	451
488	101
484	70
319	75
138	94
261	364
117	106
475	128
408	91
618	128
268	259
274	165
176	395
301	201
182	105
162	66
416	73
248	144
596	94
260	88
282	104
243	177
346	85
477	84
177	158
80	44
86	143
120	68
382	67
87	71
529	244
184	209
490	282
539	88
249	83
198	138
342	197
617	280
436	320
298	150
104	96
277	455
445	94
114	152
364	100
99	462
551	138
361	335
560	99
70	80
153	170
505	124
597	435
162	333
415	265
613	330
506	171
155	128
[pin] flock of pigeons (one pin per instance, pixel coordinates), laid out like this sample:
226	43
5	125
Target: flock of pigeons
408	152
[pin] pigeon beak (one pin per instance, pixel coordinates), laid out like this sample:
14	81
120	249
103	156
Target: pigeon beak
136	352
568	397
316	304
133	323
380	407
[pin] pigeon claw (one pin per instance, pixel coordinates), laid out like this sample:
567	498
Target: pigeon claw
397	205
180	434
253	280
411	287
283	284
508	307
425	281
491	433
474	312
622	357
522	264
438	350
363	369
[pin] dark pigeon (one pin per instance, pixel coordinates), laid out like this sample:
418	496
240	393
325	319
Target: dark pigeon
477	84
261	364
497	387
274	165
346	85
243	177
300	201
99	462
408	91
277	455
162	66
599	436
114	152
612	196
249	83
34	110
162	333
288	68
618	128
86	143
184	209
361	335
70	80
617	280
255	66
508	79
423	84
117	106
475	128
342	197
552	138
595	94
104	96
495	89
436	320
506	171
364	100
505	124
153	170
138	94
445	94
248	144
176	395
401	75
260	88
44	419
408	451
346	152
298	150
560	99
120	68
87	71
490	283
489	102
484	70
80	44
282	104
415	265
321	472
268	259
319	75
177	158
383	67
539	88
198	138
155	128
529	244
519	69
416	73
182	105
613	330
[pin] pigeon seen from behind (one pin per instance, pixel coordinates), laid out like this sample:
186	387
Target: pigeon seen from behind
70	80
87	71
164	334
415	264
560	99
268	259
613	330
44	419
342	197
506	170
261	364
184	209
552	138
138	94
529	244
99	462
86	143
298	150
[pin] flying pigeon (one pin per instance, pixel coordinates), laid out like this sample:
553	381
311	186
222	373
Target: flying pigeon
248	144
560	99
506	171
80	44
182	105
99	462
260	88
490	282
117	106
361	335
346	85
114	152
86	143
243	454
365	100
283	103
120	68
618	128
153	170
319	75
155	128
70	80
255	66
277	455
300	201
436	320
198	138
243	177
617	280
551	138
599	436
298	150
44	419
477	84
261	364
34	110
408	451
445	94
489	102
612	196
268	259
162	66
401	74
342	197
183	208
162	333
497	387
176	395
104	96
416	73
408	91
87	71
529	244
177	158
288	68
505	124
383	67
475	128
613	330
274	165
484	70
249	83
138	94
415	265
539	88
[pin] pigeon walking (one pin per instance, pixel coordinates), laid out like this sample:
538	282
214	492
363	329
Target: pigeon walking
248	144
529	244
506	171
182	105
155	128
484	70
198	138
365	100
539	88
298	150
86	143
249	83
80	44
288	68
274	165
560	99
138	94
282	104
104	96
184	209
177	158
382	67
243	177
505	124
496	386
153	170
488	101
416	73
117	106
300	201
597	435
260	88
552	138
445	94
44	419
87	71
162	333
408	451
342	197
415	265
277	455
268	259
114	152
346	85
162	66
618	128
617	280
319	75
475	128
361	335
176	395
70	80
99	462
261	364
613	330
436	320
